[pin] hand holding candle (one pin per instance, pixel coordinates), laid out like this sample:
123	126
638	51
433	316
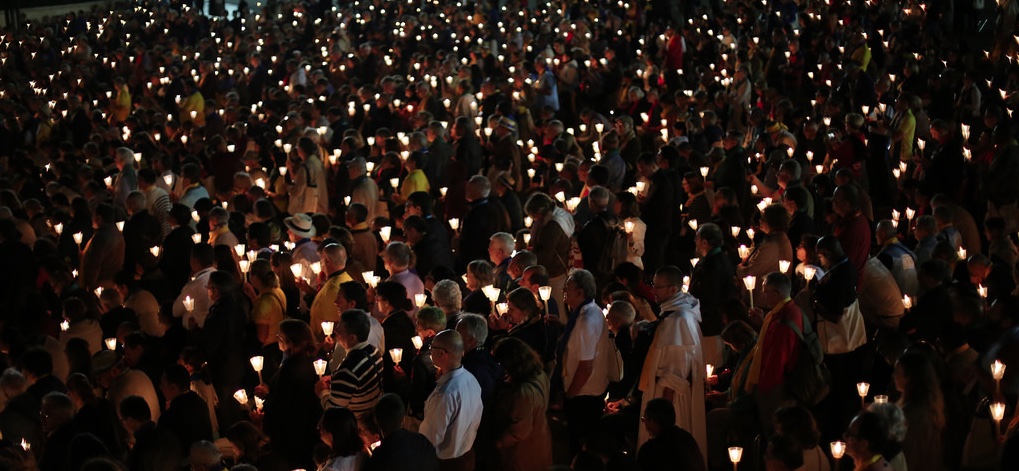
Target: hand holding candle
320	366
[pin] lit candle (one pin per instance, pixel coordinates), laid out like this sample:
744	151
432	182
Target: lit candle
545	292
239	250
442	191
316	267
417	341
419	299
862	389
735	230
693	262
982	290
910	212
241	396
196	238
710	369
65	325
59	227
962	253
108	181
394	182
25	445
296	269
120	226
751	232
282	171
997	370
628	226
783	266
838	449
154	251
907	302
704	171
244	265
750	282
327	328
735	454
454	223
194	216
997	413
880	399
320	366
396	354
111	343
491	292
754	189
259	402
385	232
693	224
189	303
744	252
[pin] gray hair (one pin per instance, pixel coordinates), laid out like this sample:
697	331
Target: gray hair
125	156
504	241
584	280
885	228
927	223
475	326
598	197
446	295
219	216
398	254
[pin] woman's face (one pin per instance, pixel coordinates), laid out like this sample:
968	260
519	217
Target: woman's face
801	254
472	282
516	315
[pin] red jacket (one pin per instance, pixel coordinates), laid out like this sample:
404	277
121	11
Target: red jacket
780	348
853	233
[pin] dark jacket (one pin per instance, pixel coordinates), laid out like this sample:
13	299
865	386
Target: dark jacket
673	449
403	450
292	411
155	449
712	284
398	329
835	292
187	418
141	233
222	342
175	260
483	219
486	370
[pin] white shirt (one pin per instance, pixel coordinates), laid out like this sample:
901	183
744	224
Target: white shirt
452	414
583	345
196	289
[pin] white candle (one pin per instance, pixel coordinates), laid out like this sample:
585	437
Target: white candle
239	250
809	272
65	325
710	369
862	389
491	292
189	303
111	343
420	299
545	292
196	238
880	399
838	449
628	226
693	262
320	366
396	354
241	396
327	328
998	411
385	232
454	223
907	302
783	266
417	341
693	224
259	402
735	454
997	370
243	265
394	182
154	251
59	227
257	362
316	267
296	269
120	226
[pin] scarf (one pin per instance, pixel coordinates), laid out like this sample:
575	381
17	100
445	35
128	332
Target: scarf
753	373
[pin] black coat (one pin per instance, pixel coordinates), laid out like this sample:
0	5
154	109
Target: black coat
141	233
187	417
222	342
673	449
292	411
398	329
175	261
155	449
835	292
403	450
712	284
483	219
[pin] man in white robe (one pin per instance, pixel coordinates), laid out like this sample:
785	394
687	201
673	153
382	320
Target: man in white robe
674	367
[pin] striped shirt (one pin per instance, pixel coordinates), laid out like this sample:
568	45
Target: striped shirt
357	383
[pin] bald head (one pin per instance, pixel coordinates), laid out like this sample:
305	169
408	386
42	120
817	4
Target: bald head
447	350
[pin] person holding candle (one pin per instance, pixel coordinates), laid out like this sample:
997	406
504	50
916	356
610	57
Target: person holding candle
769	249
357	382
334	262
398	258
629	212
103	255
222	335
658	198
398	327
923	405
202	261
674	366
399	449
300	230
866	439
186	414
484	217
527	324
291	410
430	321
155	448
552	229
775	355
711	283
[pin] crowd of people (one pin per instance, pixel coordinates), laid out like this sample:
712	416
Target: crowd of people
511	236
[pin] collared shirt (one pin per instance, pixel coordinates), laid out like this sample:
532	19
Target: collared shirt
452	414
323	308
582	345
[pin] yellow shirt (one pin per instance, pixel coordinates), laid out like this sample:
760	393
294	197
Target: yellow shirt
323	308
122	107
862	56
196	103
269	310
907	126
415	181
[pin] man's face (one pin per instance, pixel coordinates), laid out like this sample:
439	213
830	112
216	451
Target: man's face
663	289
572	294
